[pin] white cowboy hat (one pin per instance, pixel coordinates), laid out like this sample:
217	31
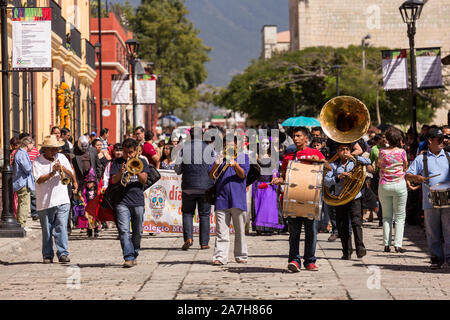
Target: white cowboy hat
51	142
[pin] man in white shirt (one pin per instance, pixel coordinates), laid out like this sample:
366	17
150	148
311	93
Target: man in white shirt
52	199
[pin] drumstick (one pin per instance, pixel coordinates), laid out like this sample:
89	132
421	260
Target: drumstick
428	178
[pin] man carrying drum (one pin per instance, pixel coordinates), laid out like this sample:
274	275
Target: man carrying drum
430	169
300	136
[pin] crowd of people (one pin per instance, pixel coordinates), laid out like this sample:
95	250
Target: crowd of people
247	193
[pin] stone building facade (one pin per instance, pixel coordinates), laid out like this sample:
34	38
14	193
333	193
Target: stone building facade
340	23
273	41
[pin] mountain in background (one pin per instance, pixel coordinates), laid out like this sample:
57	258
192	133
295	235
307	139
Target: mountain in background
232	28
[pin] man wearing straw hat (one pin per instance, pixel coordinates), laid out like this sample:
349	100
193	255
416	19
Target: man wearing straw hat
52	198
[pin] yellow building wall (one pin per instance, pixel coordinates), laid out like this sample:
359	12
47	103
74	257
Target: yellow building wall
46	84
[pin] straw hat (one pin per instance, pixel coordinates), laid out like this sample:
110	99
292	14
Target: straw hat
51	142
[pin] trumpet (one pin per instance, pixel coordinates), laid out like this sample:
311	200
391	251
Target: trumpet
134	166
227	158
65	180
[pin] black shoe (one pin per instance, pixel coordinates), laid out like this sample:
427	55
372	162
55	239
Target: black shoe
387	249
333	237
435	266
89	233
399	250
35	218
64	259
346	257
361	253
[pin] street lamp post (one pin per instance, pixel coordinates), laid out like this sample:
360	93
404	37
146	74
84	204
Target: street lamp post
337	72
98	51
9	228
364	45
133	49
410	11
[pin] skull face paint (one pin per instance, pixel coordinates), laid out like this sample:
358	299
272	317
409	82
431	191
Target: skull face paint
265	144
83	143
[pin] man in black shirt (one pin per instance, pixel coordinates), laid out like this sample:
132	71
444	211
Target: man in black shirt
130	206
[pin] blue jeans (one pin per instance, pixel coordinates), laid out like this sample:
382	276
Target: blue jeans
295	229
189	203
435	221
323	223
130	247
54	224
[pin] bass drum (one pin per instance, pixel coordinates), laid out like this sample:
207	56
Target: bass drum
303	190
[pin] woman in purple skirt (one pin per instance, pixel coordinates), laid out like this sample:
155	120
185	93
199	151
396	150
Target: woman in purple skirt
266	215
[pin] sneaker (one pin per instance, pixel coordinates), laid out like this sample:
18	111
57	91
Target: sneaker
294	266
333	237
64	259
187	244
128	264
312	267
239	260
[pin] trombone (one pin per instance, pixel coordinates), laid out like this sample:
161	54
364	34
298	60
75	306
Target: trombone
227	157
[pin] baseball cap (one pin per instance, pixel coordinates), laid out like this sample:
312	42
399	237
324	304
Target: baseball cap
93	134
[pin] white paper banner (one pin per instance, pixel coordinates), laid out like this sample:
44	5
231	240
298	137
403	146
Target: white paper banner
395	70
429	68
145	91
31	38
120	92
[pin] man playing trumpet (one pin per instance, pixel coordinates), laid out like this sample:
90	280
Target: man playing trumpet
52	198
130	204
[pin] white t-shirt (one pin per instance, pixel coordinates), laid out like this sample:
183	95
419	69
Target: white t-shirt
51	193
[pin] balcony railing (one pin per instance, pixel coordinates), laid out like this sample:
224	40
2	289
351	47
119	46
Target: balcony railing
90	55
74	41
58	22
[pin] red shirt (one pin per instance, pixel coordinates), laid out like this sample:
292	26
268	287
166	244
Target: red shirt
148	151
33	154
306	153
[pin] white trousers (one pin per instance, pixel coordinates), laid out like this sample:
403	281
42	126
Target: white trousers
222	245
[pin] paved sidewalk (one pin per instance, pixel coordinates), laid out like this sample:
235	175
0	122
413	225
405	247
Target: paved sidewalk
164	271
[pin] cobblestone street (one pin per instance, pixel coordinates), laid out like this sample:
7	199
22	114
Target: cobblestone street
164	271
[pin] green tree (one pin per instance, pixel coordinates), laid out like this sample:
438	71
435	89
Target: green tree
266	90
168	39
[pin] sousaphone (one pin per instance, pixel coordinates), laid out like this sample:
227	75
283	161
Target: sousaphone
345	119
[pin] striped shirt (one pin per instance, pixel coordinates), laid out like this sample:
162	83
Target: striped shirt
33	154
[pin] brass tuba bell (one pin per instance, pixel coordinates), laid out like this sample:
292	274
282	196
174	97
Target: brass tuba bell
345	119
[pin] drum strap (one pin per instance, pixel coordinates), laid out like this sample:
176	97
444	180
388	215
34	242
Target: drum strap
425	165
